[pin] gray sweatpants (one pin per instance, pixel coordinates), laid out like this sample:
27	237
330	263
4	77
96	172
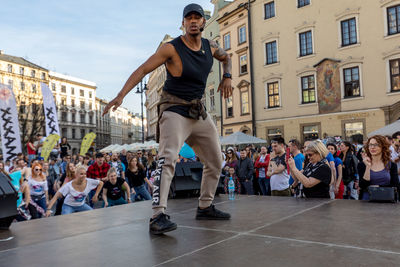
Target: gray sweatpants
203	137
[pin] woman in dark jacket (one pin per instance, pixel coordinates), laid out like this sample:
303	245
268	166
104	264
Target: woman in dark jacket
350	162
376	168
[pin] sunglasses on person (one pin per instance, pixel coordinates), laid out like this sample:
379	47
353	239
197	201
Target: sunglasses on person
38	169
310	154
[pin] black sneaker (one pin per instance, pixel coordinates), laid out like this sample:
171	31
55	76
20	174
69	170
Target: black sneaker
161	224
211	213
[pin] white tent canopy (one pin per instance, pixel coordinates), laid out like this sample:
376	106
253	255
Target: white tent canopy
387	130
130	147
240	138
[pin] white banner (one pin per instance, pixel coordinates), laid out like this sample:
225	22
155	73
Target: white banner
50	111
9	126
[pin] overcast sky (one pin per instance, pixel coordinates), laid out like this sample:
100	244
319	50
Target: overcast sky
100	41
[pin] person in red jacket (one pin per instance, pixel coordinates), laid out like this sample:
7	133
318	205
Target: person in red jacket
261	166
98	170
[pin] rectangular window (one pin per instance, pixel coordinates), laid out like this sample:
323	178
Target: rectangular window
229	107
82	118
83	133
212	99
82	93
64	116
310	132
227	41
308	89
34	88
33	73
21	71
273	95
242	34
271	52
91	119
73	133
269	10
274	133
22	107
395	75
53	87
301	3
43	76
349	32
393	17
351	82
11	84
9	68
64	132
73	103
72	90
90	94
63	101
243	64
353	128
244	97
63	89
82	104
22	86
305	39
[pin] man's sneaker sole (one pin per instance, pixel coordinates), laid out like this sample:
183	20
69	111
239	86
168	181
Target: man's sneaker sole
160	232
212	218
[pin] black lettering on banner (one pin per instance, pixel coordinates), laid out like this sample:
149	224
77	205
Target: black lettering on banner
157	182
8	130
51	122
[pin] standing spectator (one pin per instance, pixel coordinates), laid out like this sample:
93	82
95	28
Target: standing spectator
244	172
39	143
38	186
107	158
65	147
136	175
75	193
113	190
339	186
151	164
64	163
231	158
395	150
279	172
31	151
142	159
123	158
232	173
97	170
350	162
118	165
376	168
331	163
294	146
261	166
316	176
85	163
7	166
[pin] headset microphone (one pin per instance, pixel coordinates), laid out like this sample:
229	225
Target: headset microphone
201	29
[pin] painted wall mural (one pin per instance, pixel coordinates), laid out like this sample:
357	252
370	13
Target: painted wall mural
328	82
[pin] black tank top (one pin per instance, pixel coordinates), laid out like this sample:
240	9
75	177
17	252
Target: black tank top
196	66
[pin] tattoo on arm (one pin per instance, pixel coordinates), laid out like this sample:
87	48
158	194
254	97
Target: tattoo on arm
222	56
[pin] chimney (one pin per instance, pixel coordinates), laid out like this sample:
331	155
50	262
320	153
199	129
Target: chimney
1	52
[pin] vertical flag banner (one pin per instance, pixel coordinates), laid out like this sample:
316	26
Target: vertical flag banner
87	142
48	145
9	126
50	111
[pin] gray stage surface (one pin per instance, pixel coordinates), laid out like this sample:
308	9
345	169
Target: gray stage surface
263	231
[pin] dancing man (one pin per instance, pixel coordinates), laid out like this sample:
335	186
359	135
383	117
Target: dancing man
182	116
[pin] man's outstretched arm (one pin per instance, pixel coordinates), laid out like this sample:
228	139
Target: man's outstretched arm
226	83
156	60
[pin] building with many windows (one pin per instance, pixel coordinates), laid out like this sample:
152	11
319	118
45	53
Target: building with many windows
24	77
103	125
325	67
76	103
233	28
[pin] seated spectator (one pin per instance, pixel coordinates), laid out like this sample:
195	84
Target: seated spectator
376	169
114	189
316	176
75	193
136	175
231	173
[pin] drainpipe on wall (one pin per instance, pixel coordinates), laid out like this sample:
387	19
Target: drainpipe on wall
220	100
253	120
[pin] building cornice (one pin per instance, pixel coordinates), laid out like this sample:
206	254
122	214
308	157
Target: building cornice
391	53
305	25
347	12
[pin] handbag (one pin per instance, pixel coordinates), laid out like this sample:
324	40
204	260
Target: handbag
382	194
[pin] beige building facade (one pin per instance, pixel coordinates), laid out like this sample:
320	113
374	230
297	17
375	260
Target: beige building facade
24	77
233	30
325	68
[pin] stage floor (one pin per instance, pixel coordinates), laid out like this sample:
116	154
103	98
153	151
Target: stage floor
263	231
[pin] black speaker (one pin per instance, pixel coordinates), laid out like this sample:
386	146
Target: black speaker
8	202
187	177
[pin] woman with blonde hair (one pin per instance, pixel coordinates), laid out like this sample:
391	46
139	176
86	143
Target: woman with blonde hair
38	187
316	176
